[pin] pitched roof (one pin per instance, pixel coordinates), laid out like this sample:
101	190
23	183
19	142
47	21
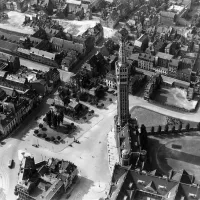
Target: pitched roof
16	78
174	62
8	46
167	14
164	56
41	53
150	187
66	44
146	56
182	176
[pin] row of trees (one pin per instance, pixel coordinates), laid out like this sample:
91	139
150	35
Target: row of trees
54	119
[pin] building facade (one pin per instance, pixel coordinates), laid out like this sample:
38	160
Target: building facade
122	76
146	61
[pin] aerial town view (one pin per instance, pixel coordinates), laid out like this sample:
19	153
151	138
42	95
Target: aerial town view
99	99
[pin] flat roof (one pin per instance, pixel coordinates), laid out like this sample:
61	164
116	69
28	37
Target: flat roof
176	81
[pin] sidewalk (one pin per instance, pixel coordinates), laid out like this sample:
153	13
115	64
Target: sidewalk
113	157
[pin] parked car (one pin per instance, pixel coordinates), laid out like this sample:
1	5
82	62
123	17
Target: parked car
10	163
35	145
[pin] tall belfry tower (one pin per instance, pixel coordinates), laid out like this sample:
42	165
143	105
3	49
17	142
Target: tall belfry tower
122	76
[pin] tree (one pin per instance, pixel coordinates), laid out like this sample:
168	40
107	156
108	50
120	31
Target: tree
197	22
198	126
58	137
61	116
143	137
99	92
180	127
143	128
48	118
166	128
173	129
152	130
40	125
159	129
187	127
58	119
54	121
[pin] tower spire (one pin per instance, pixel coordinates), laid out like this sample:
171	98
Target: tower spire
122	75
122	57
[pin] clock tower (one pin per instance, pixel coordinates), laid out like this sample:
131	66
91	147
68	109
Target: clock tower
122	78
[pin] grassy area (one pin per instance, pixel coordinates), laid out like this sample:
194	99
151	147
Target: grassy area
150	118
147	117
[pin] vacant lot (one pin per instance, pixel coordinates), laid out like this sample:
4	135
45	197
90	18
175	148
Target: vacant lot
14	23
175	97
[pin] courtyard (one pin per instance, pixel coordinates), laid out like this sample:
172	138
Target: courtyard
175	97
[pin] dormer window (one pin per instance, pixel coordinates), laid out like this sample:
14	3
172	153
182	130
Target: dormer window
161	187
141	182
130	185
194	196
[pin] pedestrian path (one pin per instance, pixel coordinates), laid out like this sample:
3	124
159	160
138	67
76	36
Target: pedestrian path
113	157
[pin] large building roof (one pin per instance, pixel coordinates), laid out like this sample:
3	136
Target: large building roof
128	183
167	14
164	56
67	45
146	56
12	47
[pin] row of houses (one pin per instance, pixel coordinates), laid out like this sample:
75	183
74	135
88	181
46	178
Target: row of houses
14	107
168	65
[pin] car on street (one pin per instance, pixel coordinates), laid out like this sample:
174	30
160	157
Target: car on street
10	163
35	145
